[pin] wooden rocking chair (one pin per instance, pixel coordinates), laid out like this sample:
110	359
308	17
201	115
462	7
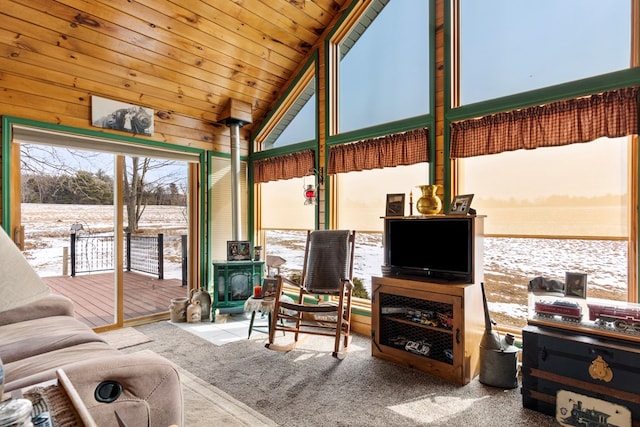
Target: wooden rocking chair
327	272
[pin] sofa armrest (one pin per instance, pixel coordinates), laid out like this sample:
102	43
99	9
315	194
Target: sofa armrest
50	305
151	392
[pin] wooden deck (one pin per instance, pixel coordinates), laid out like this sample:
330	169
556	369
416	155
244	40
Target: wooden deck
93	295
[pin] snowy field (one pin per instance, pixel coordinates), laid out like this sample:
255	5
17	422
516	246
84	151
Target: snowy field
509	263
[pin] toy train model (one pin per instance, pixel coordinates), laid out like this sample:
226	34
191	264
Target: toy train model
625	319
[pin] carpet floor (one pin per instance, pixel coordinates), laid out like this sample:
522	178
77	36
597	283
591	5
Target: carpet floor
308	387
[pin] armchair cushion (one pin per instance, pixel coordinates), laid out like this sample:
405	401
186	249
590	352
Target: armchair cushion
42	367
37	336
19	283
50	305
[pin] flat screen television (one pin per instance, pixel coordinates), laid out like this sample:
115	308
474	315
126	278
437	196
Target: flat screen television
430	248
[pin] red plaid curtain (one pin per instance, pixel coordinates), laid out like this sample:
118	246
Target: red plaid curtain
295	165
406	148
610	114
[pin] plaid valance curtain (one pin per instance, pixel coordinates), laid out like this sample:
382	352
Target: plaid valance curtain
295	165
610	114
405	148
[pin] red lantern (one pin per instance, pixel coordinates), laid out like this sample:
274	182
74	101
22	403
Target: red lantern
309	194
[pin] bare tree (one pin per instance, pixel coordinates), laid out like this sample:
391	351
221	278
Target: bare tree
46	159
139	189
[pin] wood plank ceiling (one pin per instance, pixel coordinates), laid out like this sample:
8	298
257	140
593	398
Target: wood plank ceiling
184	58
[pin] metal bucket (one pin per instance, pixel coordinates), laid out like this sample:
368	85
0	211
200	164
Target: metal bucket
499	367
498	358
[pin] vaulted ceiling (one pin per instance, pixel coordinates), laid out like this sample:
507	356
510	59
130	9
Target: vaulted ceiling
185	57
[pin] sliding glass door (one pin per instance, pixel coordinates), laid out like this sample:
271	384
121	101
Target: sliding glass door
104	223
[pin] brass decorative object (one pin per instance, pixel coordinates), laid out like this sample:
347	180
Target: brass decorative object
600	370
429	203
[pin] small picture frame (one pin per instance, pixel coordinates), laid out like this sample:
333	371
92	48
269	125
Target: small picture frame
395	204
575	285
238	250
269	287
460	205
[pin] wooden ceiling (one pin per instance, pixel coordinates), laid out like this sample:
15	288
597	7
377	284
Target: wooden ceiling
180	57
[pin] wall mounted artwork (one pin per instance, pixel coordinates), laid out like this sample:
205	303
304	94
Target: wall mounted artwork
109	114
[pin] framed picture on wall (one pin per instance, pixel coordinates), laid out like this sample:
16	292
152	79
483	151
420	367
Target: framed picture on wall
395	204
109	114
238	250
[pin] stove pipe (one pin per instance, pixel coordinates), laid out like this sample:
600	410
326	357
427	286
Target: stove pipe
236	206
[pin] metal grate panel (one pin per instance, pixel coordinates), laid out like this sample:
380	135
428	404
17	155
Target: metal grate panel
418	326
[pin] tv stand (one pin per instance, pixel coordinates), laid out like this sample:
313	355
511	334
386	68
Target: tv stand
432	327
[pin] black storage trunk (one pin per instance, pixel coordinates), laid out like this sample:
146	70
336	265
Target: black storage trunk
601	367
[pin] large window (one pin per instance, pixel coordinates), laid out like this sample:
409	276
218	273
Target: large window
512	46
550	211
384	65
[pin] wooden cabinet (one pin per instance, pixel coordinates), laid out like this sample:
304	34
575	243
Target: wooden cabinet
591	364
433	327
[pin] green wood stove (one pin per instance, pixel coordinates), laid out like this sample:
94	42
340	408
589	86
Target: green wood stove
233	283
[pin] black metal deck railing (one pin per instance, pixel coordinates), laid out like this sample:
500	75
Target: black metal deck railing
95	252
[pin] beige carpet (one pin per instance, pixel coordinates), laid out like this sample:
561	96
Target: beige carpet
125	337
203	402
307	387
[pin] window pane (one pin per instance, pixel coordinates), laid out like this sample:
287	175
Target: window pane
361	199
285	219
298	124
283	205
574	190
384	72
549	211
512	46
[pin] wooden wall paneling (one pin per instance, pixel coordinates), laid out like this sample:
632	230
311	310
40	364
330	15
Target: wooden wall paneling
299	16
107	77
255	20
66	101
211	49
197	85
